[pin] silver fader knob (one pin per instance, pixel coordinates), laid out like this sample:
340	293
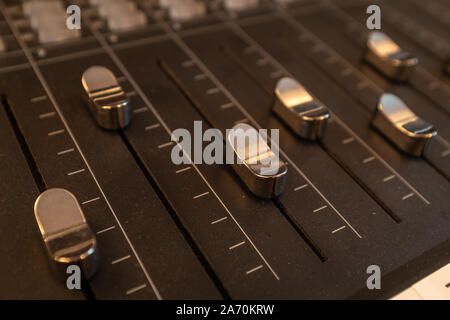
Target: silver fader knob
186	10
259	168
115	7
34	7
399	124
126	22
386	56
107	101
240	5
298	109
66	234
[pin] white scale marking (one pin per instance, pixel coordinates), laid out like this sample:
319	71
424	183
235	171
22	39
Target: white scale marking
319	209
369	159
213	91
357	25
348	140
54	133
409	195
140	110
47	115
106	230
338	229
277	74
131	93
65	151
136	289
42	80
76	172
37	99
299	26
188	64
153	126
165	145
121	259
219	220
123	69
183	170
301	187
388	178
254	269
236	245
92	200
192	55
226	106
201	195
445	153
201	76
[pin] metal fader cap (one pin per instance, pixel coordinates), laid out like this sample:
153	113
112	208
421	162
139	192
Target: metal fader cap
399	124
65	232
107	101
257	165
298	109
386	56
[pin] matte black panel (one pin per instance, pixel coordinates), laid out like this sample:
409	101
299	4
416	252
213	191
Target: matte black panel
194	230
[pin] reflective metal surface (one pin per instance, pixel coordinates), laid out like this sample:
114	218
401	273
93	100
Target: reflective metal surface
258	167
297	108
399	124
65	232
108	103
386	56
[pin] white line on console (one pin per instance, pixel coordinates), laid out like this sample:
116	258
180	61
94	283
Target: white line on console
201	195
201	65
408	196
165	145
47	115
254	269
42	80
76	172
121	259
297	25
131	80
106	230
338	229
183	170
65	151
153	126
219	220
236	245
92	200
319	209
367	160
54	133
301	187
136	289
37	99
